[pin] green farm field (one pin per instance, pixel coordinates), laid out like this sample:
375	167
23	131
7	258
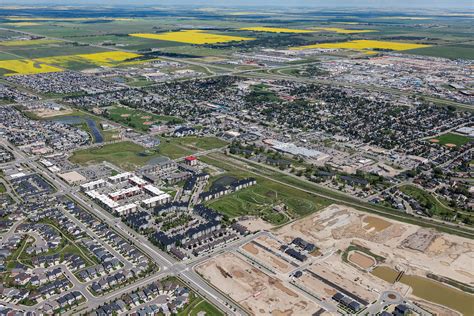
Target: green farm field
447	51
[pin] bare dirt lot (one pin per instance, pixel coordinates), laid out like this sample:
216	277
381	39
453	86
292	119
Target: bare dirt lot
46	113
376	223
256	224
267	257
256	291
347	277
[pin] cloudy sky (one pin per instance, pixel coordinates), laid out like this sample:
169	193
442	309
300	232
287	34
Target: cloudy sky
468	4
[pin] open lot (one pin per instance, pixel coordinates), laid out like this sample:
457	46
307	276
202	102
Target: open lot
126	155
256	291
263	197
199	143
177	147
267	257
199	306
136	119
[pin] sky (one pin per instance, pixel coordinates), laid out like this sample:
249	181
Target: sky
468	4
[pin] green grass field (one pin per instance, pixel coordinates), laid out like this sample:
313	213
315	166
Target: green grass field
170	149
451	138
137	119
206	307
183	146
3	189
205	143
126	155
427	200
260	199
196	305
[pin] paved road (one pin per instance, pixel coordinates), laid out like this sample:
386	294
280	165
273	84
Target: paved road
257	73
162	259
168	265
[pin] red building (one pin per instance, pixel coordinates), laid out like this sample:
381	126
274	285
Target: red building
191	160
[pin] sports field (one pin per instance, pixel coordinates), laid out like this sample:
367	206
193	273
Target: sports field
451	140
193	37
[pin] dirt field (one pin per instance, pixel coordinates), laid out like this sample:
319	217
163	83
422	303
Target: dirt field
270	243
256	224
46	113
376	223
317	287
256	291
362	260
267	258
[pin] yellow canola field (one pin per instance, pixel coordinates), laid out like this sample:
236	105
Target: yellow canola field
341	30
274	30
364	45
98	59
26	67
48	64
192	37
28	42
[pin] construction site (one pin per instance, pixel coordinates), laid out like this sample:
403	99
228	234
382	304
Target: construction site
341	259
